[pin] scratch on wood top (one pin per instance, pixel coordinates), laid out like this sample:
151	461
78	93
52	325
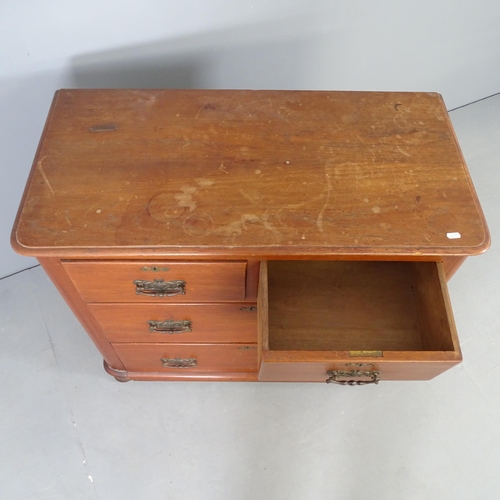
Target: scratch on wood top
68	220
402	151
45	178
319	220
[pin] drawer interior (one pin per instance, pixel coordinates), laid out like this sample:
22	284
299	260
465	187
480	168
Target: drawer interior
357	306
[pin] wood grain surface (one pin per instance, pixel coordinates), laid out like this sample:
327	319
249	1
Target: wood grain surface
113	281
331	315
61	280
341	306
217	323
223	358
206	172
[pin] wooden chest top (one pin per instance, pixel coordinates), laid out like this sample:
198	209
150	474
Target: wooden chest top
211	172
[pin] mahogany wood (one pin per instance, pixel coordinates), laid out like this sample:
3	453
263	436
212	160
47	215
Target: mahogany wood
252	282
57	274
185	172
406	367
317	305
215	323
361	201
451	265
263	312
125	376
434	314
113	281
330	312
145	357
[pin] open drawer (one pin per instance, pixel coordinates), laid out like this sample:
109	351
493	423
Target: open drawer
354	322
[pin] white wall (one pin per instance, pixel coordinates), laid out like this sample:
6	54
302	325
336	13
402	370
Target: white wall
448	46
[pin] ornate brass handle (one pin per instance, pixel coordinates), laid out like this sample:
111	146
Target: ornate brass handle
335	375
160	288
170	326
179	362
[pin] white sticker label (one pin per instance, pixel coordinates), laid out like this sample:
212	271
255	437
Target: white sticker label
453	236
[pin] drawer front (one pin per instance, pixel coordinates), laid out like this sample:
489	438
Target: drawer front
178	323
354	319
417	366
188	358
159	282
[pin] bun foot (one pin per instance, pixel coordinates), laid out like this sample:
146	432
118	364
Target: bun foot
120	375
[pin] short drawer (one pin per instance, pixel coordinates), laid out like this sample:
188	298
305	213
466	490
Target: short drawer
188	358
159	282
350	321
178	323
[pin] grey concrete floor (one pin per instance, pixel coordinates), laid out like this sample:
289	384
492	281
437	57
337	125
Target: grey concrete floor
69	431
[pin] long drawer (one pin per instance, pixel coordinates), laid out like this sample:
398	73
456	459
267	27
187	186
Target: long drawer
188	358
178	323
164	282
354	322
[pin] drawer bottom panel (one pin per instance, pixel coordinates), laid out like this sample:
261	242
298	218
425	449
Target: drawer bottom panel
188	358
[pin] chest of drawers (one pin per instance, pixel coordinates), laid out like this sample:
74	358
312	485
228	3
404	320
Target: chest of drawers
255	235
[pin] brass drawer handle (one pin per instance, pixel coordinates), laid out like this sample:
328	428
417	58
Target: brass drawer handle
179	362
160	288
170	326
335	375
